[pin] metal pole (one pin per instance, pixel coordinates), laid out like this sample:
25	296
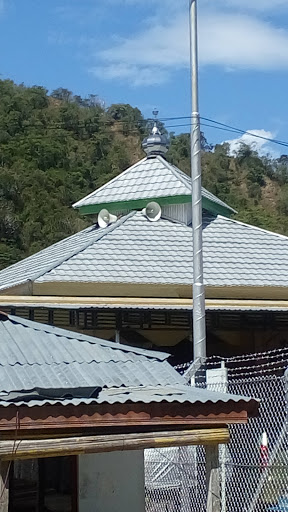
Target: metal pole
199	327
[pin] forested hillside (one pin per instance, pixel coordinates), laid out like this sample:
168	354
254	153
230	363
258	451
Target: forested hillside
54	149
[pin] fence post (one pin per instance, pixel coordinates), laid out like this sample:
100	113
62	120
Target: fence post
212	479
217	380
286	395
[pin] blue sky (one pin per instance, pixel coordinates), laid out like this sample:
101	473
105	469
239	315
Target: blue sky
137	52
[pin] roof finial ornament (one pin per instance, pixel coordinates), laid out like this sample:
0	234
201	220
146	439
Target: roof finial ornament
156	143
155	113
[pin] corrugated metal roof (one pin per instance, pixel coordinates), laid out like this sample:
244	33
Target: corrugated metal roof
138	251
20	344
34	355
149	178
38	360
22	332
158	394
94	374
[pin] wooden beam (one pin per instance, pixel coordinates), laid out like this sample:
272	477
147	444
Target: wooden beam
39	448
125	415
212	478
4	485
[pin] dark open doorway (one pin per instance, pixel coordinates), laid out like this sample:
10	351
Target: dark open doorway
43	485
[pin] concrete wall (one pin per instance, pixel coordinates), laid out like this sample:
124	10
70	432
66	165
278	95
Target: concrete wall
112	482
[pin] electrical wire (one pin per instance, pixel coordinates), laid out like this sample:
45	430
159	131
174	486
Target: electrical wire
217	125
204	124
224	126
276	141
233	130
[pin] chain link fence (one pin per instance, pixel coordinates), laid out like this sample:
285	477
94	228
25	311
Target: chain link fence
253	478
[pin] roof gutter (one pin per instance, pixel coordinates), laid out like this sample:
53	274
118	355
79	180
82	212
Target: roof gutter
55	302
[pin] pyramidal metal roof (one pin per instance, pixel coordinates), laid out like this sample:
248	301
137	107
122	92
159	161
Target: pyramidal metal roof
138	251
152	178
40	364
135	250
30	268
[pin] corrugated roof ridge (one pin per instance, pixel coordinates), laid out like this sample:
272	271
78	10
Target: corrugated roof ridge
14	265
64	258
176	172
78	203
84	363
251	226
230	399
219	201
22	281
185	179
65	333
104	232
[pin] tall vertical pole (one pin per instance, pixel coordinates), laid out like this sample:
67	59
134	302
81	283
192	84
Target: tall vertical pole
199	327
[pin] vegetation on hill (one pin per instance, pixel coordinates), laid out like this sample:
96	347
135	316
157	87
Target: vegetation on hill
55	149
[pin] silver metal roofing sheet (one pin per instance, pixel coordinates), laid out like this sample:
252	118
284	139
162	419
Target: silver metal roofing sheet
39	263
24	335
149	394
77	375
138	251
38	360
151	177
33	355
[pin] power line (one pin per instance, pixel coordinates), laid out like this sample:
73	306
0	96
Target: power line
204	124
217	125
226	126
276	141
232	129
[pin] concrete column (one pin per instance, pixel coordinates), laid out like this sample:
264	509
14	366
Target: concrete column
112	482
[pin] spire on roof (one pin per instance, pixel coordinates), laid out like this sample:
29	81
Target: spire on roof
155	143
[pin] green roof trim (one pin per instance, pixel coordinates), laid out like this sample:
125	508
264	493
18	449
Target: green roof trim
137	204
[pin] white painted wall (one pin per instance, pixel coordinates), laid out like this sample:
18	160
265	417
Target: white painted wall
112	482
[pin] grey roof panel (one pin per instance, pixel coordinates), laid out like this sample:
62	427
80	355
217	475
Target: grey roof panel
42	365
33	355
20	344
134	250
93	375
149	394
149	178
41	262
138	251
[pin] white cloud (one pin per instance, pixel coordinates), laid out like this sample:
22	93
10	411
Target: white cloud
262	146
243	42
230	40
259	5
256	5
136	76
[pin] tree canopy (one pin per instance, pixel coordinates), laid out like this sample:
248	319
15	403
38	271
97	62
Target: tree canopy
55	149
